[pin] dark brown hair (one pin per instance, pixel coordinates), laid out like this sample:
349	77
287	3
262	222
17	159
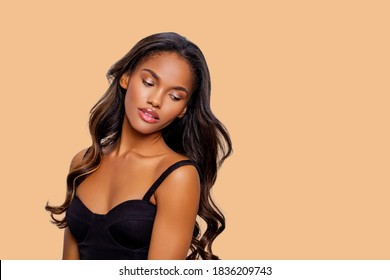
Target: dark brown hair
199	135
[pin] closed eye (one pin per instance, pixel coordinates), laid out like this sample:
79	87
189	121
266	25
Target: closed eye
175	98
146	83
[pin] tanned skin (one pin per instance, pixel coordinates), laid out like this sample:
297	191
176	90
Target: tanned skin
162	83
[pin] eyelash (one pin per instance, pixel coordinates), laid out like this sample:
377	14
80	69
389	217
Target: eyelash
148	84
173	97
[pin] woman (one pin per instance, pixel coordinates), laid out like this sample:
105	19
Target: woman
156	147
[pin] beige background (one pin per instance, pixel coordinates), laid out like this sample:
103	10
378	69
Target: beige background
302	86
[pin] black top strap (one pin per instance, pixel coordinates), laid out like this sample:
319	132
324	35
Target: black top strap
162	177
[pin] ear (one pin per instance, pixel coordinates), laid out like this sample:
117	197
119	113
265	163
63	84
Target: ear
182	112
124	81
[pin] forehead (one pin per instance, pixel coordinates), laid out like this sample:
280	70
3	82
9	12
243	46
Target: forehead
170	67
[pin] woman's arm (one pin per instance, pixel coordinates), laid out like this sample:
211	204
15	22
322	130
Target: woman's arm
177	200
70	249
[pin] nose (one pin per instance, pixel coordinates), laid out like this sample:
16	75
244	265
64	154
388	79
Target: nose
154	99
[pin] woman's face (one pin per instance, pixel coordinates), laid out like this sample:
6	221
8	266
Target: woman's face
157	92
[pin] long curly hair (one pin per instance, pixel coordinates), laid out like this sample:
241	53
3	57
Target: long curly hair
199	135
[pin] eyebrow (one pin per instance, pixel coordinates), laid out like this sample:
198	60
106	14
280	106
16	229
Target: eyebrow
158	78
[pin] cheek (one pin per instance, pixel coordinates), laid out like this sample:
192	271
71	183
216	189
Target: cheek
177	110
134	94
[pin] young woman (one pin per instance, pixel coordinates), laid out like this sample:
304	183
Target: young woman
156	147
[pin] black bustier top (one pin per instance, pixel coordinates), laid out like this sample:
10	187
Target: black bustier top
123	233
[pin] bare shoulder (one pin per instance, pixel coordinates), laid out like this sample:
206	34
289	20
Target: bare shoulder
181	184
77	158
177	200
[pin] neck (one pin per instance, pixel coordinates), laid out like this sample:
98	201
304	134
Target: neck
131	141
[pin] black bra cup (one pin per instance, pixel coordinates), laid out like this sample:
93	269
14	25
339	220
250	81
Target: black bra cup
123	233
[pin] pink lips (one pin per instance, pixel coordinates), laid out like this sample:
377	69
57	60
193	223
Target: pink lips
148	115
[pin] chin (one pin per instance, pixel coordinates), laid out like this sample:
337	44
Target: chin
145	128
